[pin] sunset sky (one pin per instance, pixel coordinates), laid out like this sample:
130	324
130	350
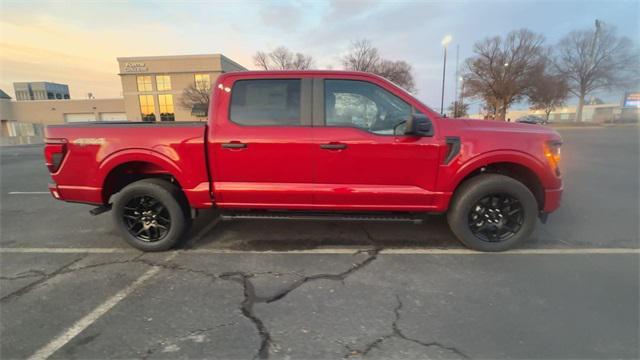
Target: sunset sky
77	43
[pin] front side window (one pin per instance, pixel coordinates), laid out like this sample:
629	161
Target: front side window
165	101
266	102
163	82
360	104
203	82
144	83
147	108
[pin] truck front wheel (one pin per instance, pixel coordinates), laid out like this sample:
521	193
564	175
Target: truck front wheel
492	213
151	214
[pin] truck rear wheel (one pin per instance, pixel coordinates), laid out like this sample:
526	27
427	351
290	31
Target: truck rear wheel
151	214
492	213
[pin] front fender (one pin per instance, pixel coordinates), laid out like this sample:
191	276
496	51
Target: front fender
539	168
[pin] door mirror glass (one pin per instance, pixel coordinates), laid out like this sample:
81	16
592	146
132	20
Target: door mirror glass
418	125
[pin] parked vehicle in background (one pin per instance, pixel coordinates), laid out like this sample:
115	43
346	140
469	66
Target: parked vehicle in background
532	119
311	145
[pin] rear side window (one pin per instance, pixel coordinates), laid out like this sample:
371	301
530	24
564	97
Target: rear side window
266	102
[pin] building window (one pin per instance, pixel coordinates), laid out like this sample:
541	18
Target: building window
147	108
144	83
203	82
50	95
266	102
166	107
163	82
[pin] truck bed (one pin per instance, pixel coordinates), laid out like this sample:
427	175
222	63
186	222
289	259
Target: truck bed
94	152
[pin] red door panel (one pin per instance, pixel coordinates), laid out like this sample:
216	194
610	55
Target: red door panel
363	160
374	172
260	144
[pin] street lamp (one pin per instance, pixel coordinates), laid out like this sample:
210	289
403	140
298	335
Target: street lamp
445	41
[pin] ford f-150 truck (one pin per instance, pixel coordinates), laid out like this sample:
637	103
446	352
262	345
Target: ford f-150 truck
310	145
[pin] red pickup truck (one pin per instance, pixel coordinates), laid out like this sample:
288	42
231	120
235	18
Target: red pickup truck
311	145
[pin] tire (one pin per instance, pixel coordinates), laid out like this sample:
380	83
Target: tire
486	205
147	206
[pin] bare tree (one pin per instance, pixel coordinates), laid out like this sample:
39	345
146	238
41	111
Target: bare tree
196	99
502	69
458	109
547	92
261	60
302	62
282	59
596	59
363	56
399	72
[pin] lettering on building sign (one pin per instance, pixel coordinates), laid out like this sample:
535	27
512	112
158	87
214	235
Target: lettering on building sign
135	67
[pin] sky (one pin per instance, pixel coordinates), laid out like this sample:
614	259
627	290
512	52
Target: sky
77	42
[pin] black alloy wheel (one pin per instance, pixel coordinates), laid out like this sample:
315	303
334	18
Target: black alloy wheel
147	218
492	212
496	217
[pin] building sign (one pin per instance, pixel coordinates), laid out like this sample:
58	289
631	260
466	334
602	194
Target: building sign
632	100
135	67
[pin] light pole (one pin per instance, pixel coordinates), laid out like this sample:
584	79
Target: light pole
461	105
445	41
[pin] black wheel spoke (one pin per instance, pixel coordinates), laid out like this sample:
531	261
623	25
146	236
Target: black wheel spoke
496	217
147	218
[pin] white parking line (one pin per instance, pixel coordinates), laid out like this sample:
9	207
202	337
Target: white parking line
66	250
332	250
28	192
94	315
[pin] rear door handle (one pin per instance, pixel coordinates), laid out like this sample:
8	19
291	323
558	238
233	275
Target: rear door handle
234	145
333	146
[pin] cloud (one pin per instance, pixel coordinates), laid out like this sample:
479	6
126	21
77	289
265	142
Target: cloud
77	43
283	16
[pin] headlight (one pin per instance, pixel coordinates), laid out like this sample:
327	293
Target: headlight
552	153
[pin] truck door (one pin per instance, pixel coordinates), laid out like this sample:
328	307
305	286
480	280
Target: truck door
363	159
260	142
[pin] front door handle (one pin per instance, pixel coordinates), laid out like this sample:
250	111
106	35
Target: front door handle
234	145
333	146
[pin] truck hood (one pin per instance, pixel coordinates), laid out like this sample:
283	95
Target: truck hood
510	127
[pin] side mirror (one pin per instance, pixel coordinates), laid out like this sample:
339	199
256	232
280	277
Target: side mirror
419	125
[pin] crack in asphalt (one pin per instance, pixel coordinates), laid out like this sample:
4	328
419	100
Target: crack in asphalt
25	274
27	288
373	254
247	310
396	332
250	297
242	278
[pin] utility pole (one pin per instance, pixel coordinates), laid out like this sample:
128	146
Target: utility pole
445	42
455	99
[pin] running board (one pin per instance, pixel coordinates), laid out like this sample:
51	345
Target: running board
320	217
100	209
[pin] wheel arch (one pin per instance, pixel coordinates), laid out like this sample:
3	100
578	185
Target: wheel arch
519	166
125	167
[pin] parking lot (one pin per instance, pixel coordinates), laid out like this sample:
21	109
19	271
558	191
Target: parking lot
71	288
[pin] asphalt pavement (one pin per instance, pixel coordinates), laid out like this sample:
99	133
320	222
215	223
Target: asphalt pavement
71	288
